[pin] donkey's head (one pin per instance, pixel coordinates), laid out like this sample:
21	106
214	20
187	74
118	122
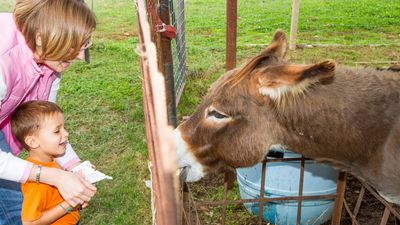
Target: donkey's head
239	119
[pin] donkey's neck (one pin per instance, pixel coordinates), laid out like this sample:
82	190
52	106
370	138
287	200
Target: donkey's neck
346	121
352	123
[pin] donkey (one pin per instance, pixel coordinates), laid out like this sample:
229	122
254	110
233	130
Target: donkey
345	117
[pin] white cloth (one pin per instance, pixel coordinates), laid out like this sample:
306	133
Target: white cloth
91	175
13	168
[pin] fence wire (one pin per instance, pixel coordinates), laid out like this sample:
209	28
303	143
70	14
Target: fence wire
177	13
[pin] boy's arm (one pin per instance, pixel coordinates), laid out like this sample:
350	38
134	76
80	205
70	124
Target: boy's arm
50	215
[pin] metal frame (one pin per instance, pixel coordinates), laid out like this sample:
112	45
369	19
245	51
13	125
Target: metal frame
190	206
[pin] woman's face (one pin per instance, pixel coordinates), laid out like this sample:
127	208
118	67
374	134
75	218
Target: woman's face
61	66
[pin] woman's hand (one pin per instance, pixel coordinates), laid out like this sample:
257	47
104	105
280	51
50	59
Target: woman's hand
74	188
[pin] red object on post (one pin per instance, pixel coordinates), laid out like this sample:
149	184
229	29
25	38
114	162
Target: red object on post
167	31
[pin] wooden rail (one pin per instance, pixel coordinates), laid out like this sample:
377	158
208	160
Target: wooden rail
158	132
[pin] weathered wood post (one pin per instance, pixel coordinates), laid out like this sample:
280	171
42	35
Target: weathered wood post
294	23
166	63
231	33
340	189
158	132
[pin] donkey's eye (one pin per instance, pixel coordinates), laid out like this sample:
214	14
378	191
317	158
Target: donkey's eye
216	114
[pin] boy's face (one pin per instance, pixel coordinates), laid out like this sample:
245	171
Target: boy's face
51	139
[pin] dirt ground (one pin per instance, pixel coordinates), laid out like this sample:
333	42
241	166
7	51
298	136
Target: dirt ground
371	209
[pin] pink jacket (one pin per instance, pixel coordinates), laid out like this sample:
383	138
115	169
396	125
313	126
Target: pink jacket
23	78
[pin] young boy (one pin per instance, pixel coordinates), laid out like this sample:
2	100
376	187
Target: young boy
39	127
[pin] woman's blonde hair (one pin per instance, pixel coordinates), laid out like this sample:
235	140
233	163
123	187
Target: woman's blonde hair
62	25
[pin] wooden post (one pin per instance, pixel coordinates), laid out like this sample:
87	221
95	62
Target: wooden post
337	209
166	64
231	26
294	23
185	209
87	56
158	132
231	33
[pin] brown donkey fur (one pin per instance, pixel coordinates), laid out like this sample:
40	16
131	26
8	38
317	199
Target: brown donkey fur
348	118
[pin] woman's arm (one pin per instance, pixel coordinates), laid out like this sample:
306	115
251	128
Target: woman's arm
69	160
50	215
13	168
72	187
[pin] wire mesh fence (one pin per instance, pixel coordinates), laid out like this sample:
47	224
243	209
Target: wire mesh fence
177	13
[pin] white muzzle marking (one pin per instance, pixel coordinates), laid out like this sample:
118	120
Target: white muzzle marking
195	171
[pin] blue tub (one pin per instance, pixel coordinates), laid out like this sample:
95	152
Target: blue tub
282	179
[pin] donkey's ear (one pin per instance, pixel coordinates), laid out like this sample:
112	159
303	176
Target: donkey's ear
275	81
278	46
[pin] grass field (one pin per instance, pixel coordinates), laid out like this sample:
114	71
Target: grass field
103	100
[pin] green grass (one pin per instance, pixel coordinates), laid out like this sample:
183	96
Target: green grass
103	100
103	104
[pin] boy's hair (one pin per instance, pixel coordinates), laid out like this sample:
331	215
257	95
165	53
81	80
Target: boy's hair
63	25
28	116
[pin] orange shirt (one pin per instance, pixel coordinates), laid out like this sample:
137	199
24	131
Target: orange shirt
40	197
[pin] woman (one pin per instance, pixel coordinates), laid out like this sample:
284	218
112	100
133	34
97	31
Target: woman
38	41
